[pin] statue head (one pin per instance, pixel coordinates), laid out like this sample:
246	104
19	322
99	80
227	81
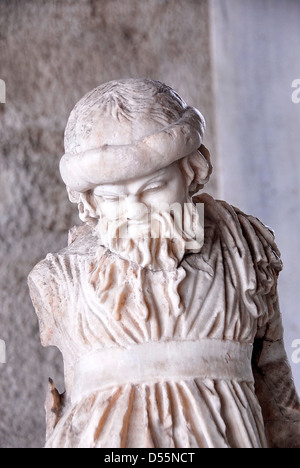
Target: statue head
133	146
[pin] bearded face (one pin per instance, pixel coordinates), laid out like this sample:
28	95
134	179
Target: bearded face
134	154
147	226
134	157
150	221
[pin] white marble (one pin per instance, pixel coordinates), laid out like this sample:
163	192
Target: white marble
169	338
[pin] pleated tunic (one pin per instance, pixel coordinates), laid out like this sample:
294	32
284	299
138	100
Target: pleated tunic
227	295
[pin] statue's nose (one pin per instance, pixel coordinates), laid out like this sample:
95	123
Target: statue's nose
135	210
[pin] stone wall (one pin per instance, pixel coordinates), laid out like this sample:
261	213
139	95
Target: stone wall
234	59
51	53
256	59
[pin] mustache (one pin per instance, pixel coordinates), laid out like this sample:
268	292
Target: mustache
158	245
174	222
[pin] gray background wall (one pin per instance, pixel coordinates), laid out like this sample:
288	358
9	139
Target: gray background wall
224	56
256	55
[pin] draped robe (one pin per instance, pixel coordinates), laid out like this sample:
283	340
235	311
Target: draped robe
227	297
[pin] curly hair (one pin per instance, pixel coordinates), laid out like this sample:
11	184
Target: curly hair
128	99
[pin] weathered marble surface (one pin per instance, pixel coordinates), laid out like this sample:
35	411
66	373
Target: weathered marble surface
167	341
42	45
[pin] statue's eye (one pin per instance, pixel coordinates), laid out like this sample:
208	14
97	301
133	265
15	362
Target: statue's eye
104	196
111	198
155	186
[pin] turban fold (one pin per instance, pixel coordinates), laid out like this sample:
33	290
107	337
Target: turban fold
84	170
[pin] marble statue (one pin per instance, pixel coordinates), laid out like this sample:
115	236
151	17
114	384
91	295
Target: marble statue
169	325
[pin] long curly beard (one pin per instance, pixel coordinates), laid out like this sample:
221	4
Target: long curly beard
157	244
133	293
138	276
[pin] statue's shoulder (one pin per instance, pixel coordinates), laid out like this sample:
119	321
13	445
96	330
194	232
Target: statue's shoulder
49	281
82	247
240	231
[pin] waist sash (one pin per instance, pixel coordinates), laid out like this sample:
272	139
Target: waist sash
162	361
